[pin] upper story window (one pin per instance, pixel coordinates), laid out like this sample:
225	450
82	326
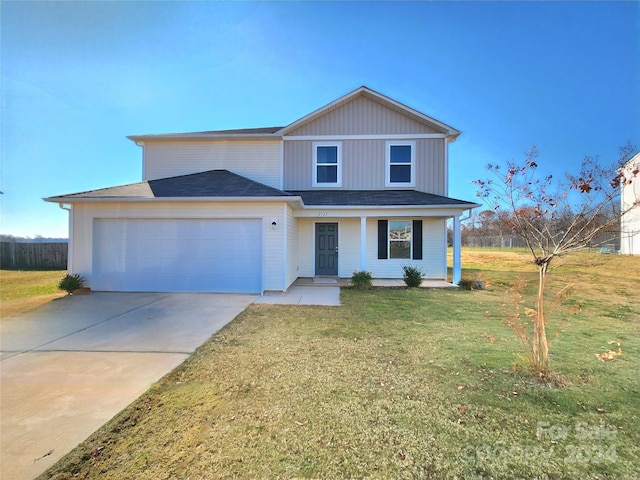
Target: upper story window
400	164
327	164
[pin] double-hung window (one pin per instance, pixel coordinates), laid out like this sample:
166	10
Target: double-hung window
327	164
399	239
400	164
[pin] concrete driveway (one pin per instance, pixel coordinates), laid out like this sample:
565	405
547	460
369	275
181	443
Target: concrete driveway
70	366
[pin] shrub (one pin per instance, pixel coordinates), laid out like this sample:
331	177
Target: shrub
475	283
412	276
69	283
361	280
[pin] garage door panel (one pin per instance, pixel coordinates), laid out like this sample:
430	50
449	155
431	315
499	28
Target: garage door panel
178	255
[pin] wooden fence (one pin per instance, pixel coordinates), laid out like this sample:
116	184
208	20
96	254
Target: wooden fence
33	256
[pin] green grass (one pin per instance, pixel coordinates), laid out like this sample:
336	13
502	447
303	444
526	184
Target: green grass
24	290
394	384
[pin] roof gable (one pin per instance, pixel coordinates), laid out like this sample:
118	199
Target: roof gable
365	111
360	112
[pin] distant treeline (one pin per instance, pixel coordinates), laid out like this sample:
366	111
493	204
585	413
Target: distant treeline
37	239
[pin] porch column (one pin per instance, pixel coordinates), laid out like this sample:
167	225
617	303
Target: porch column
363	244
457	271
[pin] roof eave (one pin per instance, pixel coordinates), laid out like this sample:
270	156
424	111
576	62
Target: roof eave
204	136
397	207
453	135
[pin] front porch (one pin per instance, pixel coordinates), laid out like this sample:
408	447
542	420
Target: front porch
366	243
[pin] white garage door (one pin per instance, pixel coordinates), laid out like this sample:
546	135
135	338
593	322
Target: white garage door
177	255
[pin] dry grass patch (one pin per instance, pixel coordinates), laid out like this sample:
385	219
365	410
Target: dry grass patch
24	290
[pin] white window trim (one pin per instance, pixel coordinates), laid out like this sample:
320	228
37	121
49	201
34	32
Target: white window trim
338	183
387	173
410	239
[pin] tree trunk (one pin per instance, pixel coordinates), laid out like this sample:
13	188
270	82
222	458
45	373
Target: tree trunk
540	345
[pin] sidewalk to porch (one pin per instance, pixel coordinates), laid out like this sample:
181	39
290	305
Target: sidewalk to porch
326	290
305	294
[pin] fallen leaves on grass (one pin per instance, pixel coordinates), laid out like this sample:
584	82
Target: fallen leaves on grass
489	337
610	354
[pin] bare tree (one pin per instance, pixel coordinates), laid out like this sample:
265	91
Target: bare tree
555	218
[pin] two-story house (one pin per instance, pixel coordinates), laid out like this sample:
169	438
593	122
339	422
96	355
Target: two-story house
359	184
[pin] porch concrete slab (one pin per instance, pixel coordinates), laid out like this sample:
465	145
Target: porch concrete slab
377	282
304	295
398	282
72	365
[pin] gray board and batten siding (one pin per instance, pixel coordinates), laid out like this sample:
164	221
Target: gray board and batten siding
362	116
363	160
363	165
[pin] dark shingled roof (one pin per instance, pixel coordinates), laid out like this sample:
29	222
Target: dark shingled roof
214	183
223	183
358	198
245	131
262	132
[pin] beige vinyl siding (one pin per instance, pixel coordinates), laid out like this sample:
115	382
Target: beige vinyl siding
348	247
272	248
630	221
306	245
292	247
257	160
363	165
362	116
433	251
434	245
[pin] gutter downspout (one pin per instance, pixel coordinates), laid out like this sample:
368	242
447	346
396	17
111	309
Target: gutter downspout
70	242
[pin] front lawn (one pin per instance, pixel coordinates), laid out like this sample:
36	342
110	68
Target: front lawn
412	384
24	290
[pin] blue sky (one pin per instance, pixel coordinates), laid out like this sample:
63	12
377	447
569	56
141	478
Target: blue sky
77	77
